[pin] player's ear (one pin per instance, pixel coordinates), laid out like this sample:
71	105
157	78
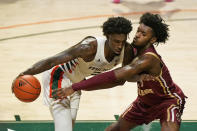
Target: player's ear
153	39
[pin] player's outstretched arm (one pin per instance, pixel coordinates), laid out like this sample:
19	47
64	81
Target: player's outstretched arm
109	79
79	50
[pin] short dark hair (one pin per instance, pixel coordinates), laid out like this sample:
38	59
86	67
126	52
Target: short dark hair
160	29
117	25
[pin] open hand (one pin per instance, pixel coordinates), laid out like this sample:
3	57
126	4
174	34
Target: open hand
62	93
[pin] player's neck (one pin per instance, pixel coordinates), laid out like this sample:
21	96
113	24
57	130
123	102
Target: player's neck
109	54
141	50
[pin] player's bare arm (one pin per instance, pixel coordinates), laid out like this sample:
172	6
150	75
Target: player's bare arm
80	50
84	51
144	64
128	57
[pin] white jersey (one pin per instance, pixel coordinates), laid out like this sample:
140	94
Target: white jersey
62	76
76	70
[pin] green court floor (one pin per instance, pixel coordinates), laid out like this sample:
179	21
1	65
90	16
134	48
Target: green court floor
84	126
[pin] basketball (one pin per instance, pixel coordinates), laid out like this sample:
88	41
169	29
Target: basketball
27	88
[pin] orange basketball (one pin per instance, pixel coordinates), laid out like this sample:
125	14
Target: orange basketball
27	88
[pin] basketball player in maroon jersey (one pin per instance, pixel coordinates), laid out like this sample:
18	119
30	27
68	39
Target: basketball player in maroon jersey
159	99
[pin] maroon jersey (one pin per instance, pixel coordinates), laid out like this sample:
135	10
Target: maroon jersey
161	89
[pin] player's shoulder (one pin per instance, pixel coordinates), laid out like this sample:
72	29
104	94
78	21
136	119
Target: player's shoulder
89	41
93	42
147	60
151	56
88	46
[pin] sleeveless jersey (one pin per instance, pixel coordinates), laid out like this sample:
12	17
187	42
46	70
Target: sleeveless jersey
77	69
64	75
163	88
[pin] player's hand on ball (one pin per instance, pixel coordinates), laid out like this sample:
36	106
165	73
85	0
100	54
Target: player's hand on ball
12	88
62	93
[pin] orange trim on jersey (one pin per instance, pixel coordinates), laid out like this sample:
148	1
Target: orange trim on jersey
75	60
60	80
72	63
51	80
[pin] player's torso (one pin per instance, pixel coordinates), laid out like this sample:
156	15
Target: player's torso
163	87
76	70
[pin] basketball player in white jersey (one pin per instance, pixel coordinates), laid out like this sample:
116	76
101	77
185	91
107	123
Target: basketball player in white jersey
91	56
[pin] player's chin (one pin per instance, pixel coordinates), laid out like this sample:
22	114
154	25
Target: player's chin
117	53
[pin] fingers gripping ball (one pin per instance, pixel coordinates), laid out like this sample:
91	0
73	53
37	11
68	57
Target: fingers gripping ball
27	88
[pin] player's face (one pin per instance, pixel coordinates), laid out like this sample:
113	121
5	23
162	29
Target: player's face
117	42
143	36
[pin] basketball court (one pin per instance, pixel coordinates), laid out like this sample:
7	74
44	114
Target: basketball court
31	30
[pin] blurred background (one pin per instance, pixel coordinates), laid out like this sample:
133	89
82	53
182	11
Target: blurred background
31	30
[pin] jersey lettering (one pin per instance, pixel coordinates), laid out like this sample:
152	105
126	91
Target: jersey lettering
145	92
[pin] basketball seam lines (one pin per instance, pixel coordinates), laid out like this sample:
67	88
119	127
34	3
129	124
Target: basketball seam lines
26	91
29	83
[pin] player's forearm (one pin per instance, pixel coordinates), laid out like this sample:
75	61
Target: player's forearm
105	86
38	67
101	81
48	63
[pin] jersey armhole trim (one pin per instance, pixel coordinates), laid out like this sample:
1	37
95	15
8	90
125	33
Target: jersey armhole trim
153	54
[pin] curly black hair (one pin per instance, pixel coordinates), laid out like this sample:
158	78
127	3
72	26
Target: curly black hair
117	25
160	29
